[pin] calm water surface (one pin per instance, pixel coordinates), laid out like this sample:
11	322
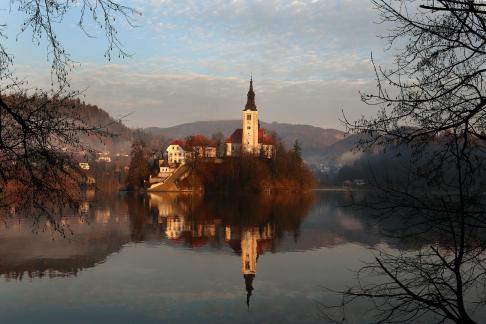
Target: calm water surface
186	258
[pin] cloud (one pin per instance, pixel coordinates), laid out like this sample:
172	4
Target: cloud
193	59
155	97
278	39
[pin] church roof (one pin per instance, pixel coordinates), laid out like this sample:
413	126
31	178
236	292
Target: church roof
235	245
236	137
263	137
250	101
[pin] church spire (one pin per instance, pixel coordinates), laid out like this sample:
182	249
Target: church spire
250	102
249	287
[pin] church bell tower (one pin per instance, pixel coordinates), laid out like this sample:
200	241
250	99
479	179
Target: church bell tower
250	123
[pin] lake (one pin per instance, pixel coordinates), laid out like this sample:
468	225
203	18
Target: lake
186	258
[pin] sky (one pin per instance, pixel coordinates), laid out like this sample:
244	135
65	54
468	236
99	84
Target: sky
192	59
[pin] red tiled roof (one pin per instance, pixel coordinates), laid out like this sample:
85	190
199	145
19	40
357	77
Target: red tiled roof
235	245
264	137
199	140
178	142
236	137
196	242
264	245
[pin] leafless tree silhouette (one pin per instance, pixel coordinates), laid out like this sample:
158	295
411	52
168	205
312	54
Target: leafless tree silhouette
40	128
433	101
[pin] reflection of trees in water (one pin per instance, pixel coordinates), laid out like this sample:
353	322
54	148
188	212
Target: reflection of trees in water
215	222
208	215
250	224
52	268
195	220
99	229
435	266
104	224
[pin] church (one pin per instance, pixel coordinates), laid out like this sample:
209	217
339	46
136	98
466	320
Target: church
250	139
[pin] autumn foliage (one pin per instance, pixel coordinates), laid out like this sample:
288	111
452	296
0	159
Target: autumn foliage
248	173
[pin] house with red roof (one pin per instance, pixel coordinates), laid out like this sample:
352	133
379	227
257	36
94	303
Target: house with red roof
196	146
176	154
250	139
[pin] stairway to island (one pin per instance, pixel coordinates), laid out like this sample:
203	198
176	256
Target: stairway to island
171	182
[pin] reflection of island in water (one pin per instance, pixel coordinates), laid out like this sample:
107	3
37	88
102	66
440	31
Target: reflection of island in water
250	225
247	226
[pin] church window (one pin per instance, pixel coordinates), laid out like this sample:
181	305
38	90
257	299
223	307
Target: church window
248	127
248	117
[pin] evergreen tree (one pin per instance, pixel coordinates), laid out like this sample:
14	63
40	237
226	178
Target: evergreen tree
218	141
297	150
262	154
139	169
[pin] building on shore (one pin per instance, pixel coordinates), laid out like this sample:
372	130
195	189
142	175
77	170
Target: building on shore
176	154
194	147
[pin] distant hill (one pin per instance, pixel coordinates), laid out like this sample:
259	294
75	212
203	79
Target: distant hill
342	152
319	145
314	140
94	116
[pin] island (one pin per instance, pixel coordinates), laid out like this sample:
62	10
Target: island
251	159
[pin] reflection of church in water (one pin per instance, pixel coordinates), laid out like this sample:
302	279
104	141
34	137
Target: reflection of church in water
253	242
248	242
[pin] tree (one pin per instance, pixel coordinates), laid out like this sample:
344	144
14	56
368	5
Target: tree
40	128
297	150
218	140
139	169
433	102
262	154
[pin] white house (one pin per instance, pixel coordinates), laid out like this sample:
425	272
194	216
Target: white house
164	169
197	146
176	153
175	227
